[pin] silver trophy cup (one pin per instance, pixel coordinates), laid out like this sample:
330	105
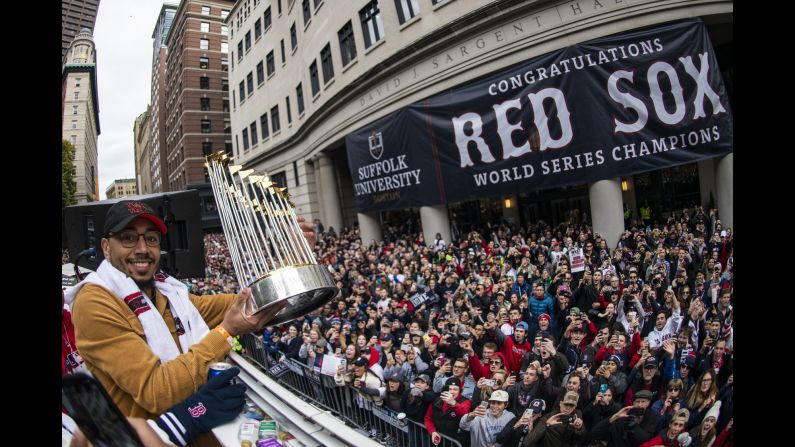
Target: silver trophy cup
268	249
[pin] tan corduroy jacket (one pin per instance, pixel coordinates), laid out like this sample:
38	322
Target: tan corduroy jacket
111	340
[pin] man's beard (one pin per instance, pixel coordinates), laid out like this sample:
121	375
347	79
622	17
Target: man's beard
146	285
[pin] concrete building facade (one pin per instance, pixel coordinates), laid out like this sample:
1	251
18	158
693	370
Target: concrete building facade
76	15
306	73
126	187
195	78
80	123
157	131
142	143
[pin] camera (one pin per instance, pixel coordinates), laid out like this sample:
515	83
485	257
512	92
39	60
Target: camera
568	418
489	382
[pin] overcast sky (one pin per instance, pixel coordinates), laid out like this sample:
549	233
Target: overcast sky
123	39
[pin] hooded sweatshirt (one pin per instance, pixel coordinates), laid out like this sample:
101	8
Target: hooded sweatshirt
478	369
484	430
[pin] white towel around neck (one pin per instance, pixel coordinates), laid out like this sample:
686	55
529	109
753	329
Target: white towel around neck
157	334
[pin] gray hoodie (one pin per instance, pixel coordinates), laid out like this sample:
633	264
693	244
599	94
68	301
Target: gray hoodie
485	429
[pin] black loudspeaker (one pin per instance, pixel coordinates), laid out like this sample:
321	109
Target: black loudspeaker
182	249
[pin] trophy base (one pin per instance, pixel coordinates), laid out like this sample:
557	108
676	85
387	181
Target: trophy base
304	287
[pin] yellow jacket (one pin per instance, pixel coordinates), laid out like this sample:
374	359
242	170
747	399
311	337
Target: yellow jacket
111	341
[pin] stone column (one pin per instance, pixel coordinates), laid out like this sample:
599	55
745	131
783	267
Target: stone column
724	186
369	227
328	194
435	220
607	214
706	180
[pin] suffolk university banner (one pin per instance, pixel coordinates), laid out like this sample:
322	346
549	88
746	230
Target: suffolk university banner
611	107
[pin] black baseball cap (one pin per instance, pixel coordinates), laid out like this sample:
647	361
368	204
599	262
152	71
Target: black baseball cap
122	213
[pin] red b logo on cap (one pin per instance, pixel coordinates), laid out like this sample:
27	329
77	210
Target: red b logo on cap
136	207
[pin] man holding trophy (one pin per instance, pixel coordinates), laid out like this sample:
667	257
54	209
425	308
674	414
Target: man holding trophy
146	339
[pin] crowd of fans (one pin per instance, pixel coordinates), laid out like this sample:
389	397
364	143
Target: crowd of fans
492	338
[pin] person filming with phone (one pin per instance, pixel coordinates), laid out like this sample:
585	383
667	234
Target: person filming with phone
487	420
562	428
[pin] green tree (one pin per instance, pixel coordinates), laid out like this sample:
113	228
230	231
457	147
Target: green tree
68	186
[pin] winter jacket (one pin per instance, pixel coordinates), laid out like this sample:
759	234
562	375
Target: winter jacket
415	409
559	435
620	434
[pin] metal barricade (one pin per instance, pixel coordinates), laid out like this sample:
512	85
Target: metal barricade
344	401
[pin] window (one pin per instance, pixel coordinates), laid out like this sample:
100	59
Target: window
224	13
347	43
406	9
205	103
226	105
206	127
225	47
253	128
77	82
77	95
314	79
207	148
372	28
245	139
248	40
328	65
204	44
224	30
279	6
225	85
282	45
280	178
317	3
237	145
250	82
289	113
293	37
204	83
205	27
260	73
240	50
307	12
206	10
204	63
275	125
73	139
263	124
271	63
74	110
74	124
299	97
268	19
242	96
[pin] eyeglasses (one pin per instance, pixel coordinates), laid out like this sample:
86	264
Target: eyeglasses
129	238
674	389
496	362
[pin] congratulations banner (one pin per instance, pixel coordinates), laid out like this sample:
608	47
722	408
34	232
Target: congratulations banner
611	107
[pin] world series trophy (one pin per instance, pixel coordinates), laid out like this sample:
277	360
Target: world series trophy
268	249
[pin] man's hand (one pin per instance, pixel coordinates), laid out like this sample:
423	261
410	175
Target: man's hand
309	232
554	420
622	413
240	318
